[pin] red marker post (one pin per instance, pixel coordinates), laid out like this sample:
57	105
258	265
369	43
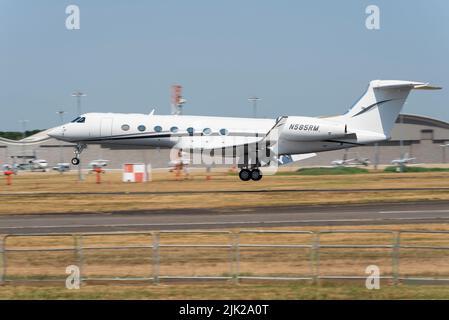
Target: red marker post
8	174
98	171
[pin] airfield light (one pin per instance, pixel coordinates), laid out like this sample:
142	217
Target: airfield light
78	96
61	121
444	146
24	124
177	101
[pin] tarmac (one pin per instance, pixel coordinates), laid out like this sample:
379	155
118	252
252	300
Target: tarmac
230	217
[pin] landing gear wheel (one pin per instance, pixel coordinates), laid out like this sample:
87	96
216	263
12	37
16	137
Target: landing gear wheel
75	161
245	175
256	175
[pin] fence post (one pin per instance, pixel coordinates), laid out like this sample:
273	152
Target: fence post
79	254
395	256
156	257
236	256
2	260
315	257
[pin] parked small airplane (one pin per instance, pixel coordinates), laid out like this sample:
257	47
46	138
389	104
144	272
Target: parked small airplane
34	165
403	160
255	142
351	162
99	163
62	167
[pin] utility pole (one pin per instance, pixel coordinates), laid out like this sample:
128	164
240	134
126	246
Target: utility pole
177	101
61	122
24	123
443	148
254	101
78	96
376	155
401	144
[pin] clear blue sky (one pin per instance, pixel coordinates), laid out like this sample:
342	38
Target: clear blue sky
302	57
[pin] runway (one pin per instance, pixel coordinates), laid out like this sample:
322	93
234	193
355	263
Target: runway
183	219
189	192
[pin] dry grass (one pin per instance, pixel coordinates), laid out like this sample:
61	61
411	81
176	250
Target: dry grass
271	291
176	261
189	261
30	187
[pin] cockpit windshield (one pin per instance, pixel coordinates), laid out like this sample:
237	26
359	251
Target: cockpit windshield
79	120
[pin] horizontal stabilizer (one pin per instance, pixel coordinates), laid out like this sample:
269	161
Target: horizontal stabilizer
286	159
392	84
426	86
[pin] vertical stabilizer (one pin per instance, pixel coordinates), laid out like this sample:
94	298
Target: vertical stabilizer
380	106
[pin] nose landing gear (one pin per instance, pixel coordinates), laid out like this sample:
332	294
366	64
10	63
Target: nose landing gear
247	174
78	149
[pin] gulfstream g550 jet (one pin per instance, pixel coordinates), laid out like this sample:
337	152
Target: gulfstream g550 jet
254	142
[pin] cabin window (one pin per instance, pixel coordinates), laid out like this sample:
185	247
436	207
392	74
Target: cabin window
174	129
125	127
224	132
141	128
190	130
207	131
157	128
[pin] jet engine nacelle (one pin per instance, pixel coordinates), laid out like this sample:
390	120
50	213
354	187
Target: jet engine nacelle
309	129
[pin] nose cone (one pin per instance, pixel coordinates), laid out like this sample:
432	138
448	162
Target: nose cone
56	133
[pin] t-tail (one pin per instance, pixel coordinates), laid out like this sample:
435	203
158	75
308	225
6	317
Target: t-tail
380	106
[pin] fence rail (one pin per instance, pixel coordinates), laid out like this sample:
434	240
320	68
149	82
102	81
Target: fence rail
263	255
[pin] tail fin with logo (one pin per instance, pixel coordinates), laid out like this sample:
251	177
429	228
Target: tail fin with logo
380	106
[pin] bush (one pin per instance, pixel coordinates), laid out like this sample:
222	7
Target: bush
415	169
326	171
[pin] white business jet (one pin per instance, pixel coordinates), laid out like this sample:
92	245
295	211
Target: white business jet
255	142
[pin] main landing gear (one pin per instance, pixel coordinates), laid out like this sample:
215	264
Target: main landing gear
78	149
247	174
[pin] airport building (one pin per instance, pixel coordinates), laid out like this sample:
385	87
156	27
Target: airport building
414	136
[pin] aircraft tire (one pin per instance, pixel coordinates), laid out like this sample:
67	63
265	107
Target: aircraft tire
256	175
75	161
245	175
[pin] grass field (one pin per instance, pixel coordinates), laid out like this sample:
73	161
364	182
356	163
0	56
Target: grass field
322	171
30	191
271	291
187	261
415	169
37	193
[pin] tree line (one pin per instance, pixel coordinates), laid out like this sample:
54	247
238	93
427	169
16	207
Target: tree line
17	135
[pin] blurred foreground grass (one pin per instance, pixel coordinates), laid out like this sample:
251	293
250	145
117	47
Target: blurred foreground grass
48	193
290	291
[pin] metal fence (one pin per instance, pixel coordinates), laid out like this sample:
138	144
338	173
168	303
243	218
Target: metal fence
408	255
